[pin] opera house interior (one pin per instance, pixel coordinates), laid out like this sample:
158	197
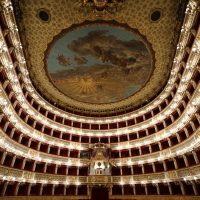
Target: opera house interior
87	133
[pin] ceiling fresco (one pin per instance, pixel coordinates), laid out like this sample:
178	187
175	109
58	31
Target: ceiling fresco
99	62
43	23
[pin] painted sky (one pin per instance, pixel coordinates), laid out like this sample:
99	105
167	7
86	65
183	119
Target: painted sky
99	63
60	47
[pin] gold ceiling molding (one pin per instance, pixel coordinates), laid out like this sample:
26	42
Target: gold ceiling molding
162	35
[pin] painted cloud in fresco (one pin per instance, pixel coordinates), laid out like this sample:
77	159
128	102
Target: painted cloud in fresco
99	64
62	60
107	48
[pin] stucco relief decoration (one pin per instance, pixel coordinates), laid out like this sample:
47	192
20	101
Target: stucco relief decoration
100	6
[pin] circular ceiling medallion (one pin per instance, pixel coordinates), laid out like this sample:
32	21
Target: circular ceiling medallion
155	15
99	62
43	15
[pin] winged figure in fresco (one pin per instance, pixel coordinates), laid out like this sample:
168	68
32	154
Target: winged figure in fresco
62	60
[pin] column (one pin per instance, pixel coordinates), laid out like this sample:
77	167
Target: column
154	168
65	186
29	142
169	142
185	160
4	188
53	190
182	188
48	149
61	135
110	190
3	157
26	118
195	157
134	190
158	189
12	133
143	169
34	166
88	190
164	165
16	189
58	153
159	144
194	187
29	189
45	167
38	147
20	138
56	169
41	189
39	108
175	163
146	191
178	137
122	189
170	188
23	163
13	161
46	113
51	133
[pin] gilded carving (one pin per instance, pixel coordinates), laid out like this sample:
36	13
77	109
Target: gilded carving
28	175
45	178
165	153
33	153
99	179
171	175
